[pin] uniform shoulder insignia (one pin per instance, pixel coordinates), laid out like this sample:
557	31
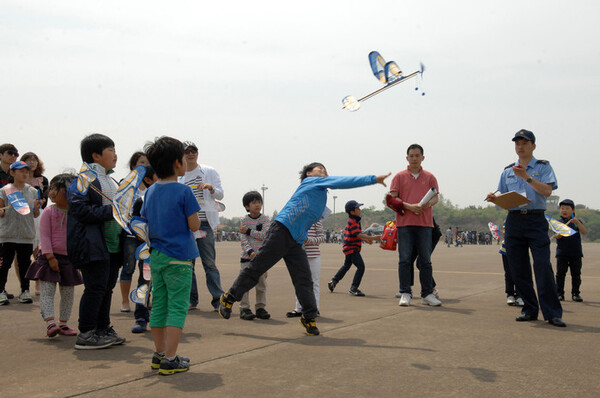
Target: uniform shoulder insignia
509	166
542	161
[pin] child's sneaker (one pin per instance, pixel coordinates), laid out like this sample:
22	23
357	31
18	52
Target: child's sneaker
511	300
261	313
157	357
52	330
225	303
175	365
91	341
519	302
25	297
140	326
355	292
67	331
310	325
4	298
577	298
331	285
247	315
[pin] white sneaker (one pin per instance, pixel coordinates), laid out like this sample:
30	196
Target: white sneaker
3	298
519	302
510	300
431	300
405	300
25	297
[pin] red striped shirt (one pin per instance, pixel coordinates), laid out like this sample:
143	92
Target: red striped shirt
351	241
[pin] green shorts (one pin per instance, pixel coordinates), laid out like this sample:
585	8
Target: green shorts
171	285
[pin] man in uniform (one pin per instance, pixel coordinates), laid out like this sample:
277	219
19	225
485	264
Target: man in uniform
527	229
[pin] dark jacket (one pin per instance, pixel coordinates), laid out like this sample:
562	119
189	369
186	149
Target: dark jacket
85	226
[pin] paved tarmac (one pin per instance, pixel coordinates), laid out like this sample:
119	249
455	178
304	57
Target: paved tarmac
369	346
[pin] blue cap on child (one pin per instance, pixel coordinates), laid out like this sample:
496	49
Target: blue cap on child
351	205
19	164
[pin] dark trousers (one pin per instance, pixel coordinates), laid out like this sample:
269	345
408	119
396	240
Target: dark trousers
525	232
509	285
7	254
99	279
279	244
562	264
141	312
356	259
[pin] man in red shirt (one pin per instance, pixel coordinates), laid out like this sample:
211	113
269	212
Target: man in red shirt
415	224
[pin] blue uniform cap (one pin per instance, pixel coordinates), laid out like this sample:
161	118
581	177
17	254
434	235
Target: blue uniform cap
526	134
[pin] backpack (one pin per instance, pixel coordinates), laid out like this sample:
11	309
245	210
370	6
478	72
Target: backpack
389	237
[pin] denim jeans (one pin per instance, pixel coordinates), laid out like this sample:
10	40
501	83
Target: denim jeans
206	247
130	244
419	238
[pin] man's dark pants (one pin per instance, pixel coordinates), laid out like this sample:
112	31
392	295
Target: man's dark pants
526	232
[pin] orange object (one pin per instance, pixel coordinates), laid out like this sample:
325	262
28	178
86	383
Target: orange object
389	237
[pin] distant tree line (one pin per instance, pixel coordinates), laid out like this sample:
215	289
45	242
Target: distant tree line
446	214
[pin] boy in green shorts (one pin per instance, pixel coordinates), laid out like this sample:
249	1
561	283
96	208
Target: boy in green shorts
171	210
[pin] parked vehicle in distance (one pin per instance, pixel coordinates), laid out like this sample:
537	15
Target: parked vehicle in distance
374	229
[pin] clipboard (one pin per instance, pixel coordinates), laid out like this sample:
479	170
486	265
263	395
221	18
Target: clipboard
510	199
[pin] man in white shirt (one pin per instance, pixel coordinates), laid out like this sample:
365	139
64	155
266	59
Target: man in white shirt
206	184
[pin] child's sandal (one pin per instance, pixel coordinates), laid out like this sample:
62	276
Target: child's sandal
293	314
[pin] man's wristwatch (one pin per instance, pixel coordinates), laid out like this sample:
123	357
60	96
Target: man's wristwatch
529	179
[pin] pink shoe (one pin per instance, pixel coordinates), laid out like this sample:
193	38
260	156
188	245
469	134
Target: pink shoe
67	331
53	330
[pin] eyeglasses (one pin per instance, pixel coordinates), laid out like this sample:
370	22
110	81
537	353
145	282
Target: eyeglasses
12	153
190	150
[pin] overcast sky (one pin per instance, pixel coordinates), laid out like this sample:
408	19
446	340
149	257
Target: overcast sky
258	86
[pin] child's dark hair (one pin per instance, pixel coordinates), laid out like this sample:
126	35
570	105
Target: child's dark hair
61	181
250	197
149	174
94	143
309	167
134	159
415	146
149	171
162	153
40	167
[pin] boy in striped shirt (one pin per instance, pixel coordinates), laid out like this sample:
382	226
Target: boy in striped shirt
253	228
352	239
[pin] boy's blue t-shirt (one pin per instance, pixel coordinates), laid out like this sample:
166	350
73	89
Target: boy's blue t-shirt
307	204
167	205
